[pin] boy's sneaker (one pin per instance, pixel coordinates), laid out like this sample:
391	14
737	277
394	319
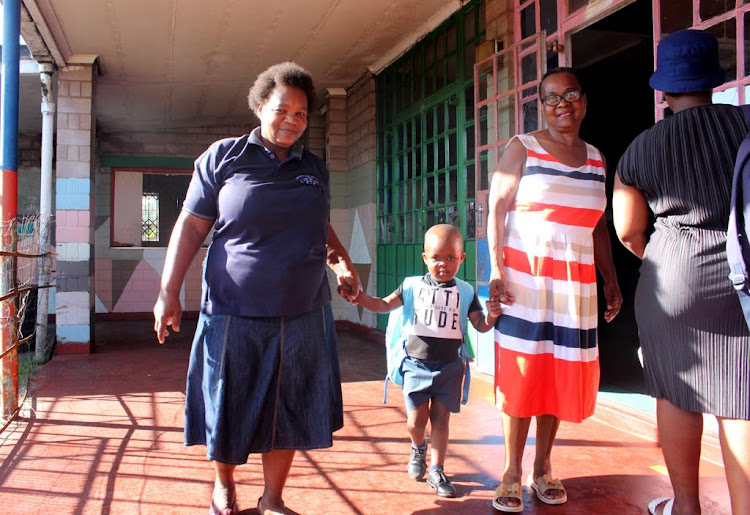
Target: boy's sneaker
442	485
417	465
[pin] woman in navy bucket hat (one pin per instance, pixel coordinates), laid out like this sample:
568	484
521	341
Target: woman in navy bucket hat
695	343
687	61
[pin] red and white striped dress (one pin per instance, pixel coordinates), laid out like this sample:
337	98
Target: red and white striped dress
546	354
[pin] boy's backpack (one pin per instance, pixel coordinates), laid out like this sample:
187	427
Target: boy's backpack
738	246
397	332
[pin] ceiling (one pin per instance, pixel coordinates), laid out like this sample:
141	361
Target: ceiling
167	64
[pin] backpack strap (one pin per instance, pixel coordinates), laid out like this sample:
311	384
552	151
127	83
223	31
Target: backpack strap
395	342
738	248
466	295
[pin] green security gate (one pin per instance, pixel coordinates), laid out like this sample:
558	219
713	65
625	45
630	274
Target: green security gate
425	147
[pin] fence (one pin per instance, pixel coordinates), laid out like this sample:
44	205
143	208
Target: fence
21	261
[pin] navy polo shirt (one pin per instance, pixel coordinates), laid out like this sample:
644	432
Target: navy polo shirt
268	253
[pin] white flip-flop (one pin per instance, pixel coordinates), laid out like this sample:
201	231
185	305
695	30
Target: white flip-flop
656	502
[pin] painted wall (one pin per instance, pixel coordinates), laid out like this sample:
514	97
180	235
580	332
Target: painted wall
127	278
353	203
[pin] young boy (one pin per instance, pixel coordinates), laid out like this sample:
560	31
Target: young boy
433	369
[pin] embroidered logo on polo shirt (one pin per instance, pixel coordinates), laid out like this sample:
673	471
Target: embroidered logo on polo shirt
310	180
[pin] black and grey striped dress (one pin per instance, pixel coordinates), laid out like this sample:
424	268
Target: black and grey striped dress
696	346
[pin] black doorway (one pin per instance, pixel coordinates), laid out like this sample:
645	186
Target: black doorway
615	58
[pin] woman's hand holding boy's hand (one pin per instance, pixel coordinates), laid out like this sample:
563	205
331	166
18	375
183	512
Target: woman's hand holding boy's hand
494	309
497	288
348	286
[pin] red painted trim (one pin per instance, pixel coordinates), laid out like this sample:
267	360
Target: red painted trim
112	197
8	336
10	195
72	348
111	206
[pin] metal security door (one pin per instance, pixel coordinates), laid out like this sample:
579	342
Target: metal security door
425	152
506	103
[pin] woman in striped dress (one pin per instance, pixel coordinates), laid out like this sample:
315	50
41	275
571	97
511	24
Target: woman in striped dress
546	236
696	345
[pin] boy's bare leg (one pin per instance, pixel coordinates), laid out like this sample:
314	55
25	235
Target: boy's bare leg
416	422
440	418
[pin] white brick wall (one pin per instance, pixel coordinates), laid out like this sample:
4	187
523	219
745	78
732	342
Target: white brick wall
73	251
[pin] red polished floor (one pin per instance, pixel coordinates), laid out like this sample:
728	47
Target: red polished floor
103	435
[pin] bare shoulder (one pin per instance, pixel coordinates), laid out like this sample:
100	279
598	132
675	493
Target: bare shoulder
513	159
540	135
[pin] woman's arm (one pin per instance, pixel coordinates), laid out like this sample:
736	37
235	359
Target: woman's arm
338	260
603	261
187	236
631	217
503	188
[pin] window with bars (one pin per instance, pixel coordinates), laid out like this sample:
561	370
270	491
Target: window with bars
150	217
730	23
145	205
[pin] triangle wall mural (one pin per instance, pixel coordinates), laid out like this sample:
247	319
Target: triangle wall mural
122	272
140	292
360	255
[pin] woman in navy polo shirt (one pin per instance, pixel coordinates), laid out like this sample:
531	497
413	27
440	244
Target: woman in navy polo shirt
264	370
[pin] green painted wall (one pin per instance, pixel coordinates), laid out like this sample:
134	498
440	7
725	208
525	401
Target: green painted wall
425	147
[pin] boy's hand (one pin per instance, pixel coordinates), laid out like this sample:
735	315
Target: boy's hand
348	286
356	299
494	309
497	289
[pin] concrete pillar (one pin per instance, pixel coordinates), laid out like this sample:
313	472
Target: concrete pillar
75	205
499	16
336	130
316	132
45	208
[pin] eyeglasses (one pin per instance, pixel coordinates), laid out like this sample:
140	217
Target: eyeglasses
572	95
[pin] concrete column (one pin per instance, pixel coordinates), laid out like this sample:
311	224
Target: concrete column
499	21
336	130
316	132
74	230
45	208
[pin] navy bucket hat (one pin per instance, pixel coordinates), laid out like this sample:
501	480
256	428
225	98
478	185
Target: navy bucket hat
687	61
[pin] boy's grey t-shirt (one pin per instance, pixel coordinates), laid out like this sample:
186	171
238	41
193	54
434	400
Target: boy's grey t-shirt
436	311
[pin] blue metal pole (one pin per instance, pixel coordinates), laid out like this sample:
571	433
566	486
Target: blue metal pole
9	85
9	202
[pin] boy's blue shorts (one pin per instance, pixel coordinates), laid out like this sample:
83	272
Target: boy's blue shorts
425	380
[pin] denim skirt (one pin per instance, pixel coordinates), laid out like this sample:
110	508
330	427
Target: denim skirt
425	380
257	384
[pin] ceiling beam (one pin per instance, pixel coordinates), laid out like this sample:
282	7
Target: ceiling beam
409	41
38	36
